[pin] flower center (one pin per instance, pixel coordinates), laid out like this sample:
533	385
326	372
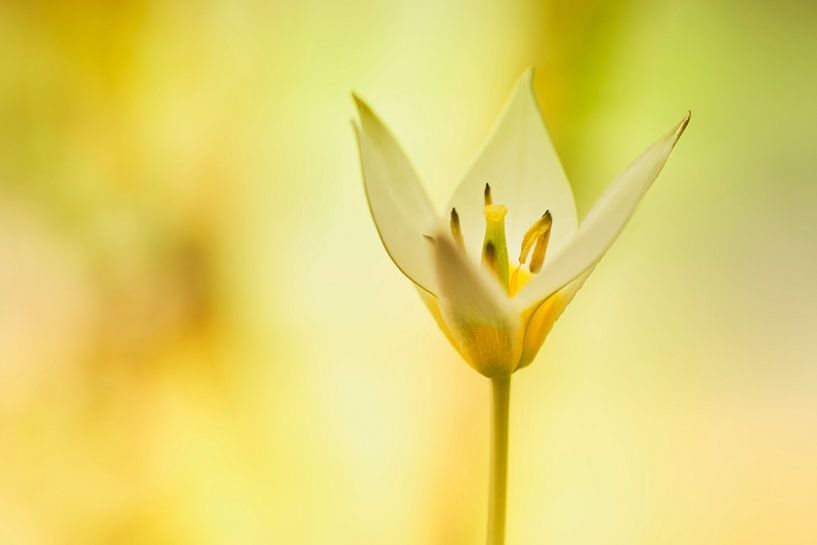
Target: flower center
495	246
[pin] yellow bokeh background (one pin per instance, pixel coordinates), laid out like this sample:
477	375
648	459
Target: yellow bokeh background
203	342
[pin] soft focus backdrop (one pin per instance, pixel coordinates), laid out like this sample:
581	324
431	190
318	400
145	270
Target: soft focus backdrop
203	342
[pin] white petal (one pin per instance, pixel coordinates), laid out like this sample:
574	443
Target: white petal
399	205
605	221
520	163
482	321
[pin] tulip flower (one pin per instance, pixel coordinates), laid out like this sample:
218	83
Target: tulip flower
498	268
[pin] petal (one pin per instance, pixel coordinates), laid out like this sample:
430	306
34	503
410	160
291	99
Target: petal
543	317
433	306
605	221
399	205
482	322
520	163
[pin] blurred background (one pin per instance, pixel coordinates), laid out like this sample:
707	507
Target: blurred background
203	342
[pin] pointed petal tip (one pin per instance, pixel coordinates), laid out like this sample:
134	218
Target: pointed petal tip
361	105
525	81
683	125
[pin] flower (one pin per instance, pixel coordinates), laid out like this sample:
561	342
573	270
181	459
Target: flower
497	312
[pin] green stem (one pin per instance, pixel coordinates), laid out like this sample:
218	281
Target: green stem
501	389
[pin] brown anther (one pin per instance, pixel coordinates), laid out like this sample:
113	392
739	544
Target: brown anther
487	194
538	236
538	257
456	230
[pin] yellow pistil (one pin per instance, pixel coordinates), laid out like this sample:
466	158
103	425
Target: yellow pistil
494	246
487	194
456	230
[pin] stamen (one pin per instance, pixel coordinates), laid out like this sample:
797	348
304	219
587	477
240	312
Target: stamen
539	252
456	230
536	237
487	194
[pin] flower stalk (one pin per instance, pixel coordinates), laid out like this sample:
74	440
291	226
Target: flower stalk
497	500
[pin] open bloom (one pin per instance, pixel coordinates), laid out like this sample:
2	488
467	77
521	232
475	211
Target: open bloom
500	266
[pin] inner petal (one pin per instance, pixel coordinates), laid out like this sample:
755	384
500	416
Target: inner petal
520	161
